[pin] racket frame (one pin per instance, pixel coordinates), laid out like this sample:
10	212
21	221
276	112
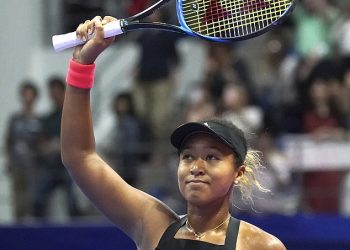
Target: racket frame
61	42
133	23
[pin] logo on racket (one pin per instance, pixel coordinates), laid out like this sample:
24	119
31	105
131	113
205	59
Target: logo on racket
254	5
194	6
215	12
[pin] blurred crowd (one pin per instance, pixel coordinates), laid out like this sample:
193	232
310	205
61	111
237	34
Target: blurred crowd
302	87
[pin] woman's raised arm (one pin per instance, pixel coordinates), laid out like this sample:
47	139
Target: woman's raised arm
130	209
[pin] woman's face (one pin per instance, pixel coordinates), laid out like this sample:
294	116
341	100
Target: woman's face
206	170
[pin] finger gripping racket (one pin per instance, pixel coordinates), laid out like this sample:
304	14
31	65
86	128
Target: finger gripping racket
216	20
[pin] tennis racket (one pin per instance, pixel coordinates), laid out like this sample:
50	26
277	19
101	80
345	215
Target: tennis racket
216	20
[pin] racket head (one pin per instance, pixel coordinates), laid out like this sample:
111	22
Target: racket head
231	20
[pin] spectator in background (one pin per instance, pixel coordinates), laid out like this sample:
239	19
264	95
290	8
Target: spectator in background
342	33
154	84
321	112
315	21
223	65
131	143
199	104
276	93
21	150
322	120
237	108
303	71
52	174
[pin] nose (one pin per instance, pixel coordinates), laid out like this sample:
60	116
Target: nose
197	168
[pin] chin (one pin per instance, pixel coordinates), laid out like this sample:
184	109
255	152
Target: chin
196	199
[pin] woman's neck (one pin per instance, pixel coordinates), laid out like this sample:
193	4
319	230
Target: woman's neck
206	217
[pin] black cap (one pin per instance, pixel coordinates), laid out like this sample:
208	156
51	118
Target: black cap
227	134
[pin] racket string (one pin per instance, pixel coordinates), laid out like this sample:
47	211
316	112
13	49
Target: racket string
268	15
269	9
227	18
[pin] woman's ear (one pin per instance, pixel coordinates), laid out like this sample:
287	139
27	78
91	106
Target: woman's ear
239	173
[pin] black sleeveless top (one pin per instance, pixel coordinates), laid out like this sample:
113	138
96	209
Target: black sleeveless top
168	242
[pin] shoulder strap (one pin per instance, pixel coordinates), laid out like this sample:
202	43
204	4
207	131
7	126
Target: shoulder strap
232	233
172	229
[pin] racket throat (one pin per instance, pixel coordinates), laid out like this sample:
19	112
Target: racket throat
130	26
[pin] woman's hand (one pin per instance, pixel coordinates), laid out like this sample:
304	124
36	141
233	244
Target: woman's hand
92	32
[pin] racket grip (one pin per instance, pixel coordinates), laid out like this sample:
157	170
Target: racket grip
70	40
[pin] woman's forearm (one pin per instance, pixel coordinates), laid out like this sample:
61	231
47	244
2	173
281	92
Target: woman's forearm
77	138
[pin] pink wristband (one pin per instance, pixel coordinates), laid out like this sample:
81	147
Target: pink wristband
80	75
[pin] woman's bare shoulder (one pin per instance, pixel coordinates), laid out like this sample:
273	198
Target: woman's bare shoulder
253	237
158	217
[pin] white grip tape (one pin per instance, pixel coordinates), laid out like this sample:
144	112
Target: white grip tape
69	40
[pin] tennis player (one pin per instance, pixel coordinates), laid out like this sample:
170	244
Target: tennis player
213	158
